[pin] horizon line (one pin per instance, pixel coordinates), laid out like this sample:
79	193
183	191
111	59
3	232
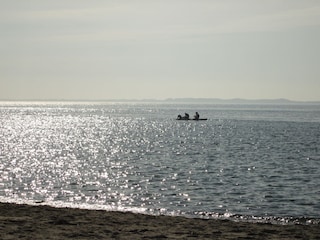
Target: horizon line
182	99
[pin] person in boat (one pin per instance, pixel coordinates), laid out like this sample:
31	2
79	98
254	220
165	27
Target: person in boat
196	116
186	116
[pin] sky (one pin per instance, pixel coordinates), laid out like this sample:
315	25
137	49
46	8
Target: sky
148	49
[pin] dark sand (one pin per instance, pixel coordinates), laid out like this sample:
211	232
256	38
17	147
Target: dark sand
44	222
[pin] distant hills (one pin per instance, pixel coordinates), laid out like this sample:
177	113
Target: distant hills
238	101
279	101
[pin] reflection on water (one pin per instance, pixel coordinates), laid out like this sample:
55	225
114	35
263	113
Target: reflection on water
139	158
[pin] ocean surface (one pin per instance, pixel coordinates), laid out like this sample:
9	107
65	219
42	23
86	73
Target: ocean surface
246	162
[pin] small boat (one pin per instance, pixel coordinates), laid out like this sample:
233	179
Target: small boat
187	118
192	119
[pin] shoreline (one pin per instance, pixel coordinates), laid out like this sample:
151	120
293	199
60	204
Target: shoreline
21	221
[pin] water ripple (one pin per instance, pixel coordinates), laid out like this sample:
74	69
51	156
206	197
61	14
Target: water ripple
126	157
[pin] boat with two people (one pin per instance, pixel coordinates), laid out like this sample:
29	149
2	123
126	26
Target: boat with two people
196	117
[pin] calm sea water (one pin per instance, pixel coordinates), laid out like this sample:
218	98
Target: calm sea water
259	163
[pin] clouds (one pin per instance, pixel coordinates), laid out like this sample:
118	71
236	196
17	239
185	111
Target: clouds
151	46
155	21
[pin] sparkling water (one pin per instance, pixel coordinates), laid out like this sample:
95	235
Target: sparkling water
254	162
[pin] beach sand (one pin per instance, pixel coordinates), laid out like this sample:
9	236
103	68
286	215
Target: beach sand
44	222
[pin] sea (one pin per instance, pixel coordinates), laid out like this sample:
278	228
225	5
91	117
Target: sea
252	162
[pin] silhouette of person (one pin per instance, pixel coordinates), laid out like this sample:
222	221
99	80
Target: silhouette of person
197	116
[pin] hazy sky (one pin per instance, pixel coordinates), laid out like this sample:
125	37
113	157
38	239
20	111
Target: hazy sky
108	49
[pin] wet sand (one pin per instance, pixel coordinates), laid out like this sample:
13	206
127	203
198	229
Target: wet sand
44	222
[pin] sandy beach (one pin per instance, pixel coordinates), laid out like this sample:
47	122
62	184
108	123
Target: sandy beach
44	222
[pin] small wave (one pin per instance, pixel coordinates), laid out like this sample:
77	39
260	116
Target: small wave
260	219
166	212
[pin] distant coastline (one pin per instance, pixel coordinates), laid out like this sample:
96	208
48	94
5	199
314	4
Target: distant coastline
280	101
